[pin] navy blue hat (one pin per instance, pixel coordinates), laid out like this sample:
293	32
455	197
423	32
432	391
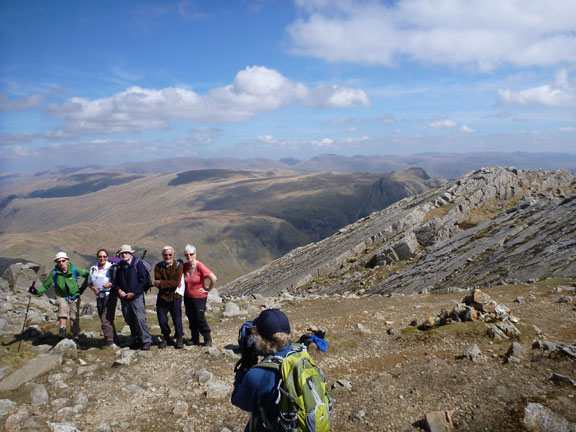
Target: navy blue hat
272	321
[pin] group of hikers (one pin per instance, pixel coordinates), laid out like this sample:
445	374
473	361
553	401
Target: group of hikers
127	278
285	391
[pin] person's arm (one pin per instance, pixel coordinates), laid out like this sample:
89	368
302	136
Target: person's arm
245	393
47	283
206	273
83	273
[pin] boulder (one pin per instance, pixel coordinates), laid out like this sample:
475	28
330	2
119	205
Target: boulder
473	353
6	407
515	354
540	418
439	421
38	394
67	348
231	309
20	276
36	367
407	247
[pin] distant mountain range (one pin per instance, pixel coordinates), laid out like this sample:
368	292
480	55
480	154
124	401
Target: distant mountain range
238	219
438	165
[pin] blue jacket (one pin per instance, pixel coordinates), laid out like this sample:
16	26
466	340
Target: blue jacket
132	277
256	387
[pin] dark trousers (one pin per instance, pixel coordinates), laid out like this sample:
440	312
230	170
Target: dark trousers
107	311
164	307
196	313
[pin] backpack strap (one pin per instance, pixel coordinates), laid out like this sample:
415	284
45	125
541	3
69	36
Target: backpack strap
272	363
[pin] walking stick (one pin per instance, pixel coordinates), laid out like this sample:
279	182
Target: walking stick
25	317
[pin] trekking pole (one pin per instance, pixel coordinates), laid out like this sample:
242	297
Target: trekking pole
25	317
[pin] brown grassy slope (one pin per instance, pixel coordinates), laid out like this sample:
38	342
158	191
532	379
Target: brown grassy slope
239	220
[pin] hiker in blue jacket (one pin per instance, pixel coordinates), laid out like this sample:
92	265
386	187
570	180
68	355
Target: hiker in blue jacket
131	281
255	388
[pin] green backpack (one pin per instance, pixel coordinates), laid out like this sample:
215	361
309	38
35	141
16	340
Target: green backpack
305	406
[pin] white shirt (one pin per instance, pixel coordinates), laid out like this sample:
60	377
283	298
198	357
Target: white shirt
100	276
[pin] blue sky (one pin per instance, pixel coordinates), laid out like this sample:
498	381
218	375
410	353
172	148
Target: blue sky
86	82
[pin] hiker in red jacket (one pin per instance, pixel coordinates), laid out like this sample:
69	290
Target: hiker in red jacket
195	296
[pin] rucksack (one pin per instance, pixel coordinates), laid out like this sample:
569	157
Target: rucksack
304	404
148	267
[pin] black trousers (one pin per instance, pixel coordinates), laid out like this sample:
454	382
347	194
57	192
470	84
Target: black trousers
174	308
196	313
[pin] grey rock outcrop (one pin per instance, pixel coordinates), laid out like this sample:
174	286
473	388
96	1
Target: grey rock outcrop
488	227
20	276
34	368
540	418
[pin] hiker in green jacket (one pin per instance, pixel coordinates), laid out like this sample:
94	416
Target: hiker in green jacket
64	278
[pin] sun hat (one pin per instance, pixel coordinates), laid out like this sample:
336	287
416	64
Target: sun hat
61	255
126	248
272	321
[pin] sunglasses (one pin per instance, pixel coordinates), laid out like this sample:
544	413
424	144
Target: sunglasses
190	254
167	255
61	261
102	256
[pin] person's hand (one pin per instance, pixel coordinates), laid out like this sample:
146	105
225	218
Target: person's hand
33	290
157	283
94	289
121	294
129	296
107	285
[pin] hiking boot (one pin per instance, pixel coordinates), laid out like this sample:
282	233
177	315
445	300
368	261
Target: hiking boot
145	347
169	340
207	342
162	344
179	343
136	345
62	333
190	342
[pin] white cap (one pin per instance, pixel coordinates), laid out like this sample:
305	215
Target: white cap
61	255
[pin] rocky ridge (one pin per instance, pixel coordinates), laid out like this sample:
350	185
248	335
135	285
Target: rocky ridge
492	226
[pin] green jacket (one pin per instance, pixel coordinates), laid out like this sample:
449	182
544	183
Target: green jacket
66	284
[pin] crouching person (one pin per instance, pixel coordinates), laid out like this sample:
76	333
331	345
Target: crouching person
268	389
64	278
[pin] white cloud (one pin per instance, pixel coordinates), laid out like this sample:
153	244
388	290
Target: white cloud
255	90
443	124
481	33
467	129
560	93
568	129
267	139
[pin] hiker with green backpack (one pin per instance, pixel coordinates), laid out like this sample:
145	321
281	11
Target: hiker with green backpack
285	391
64	278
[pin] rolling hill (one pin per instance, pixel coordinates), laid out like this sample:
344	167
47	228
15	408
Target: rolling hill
238	219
